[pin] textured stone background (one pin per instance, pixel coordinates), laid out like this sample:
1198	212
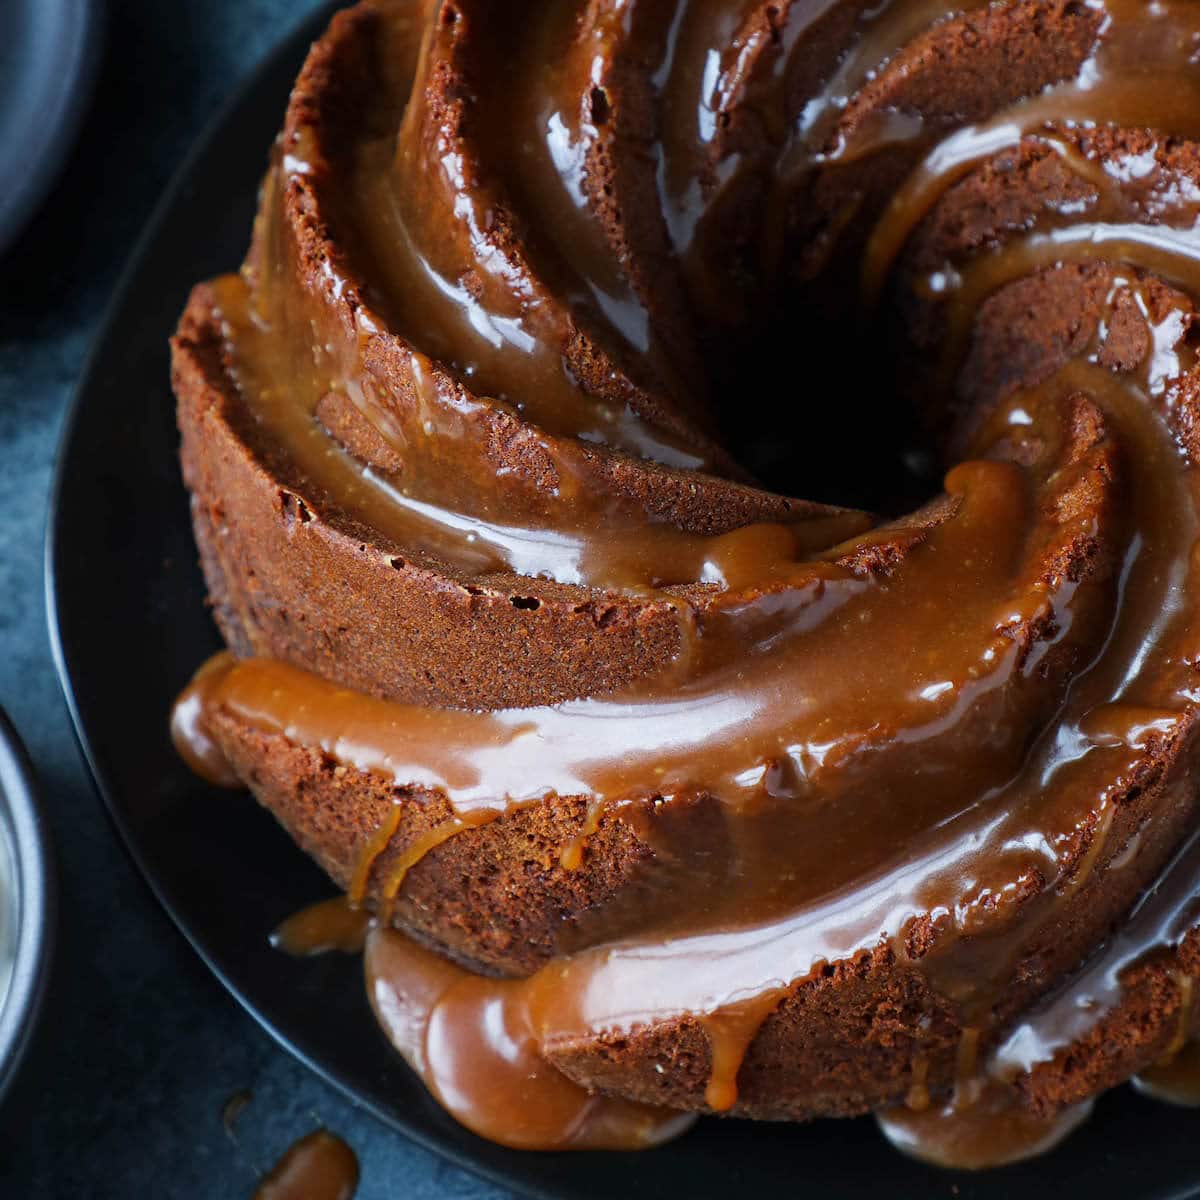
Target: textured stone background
141	1048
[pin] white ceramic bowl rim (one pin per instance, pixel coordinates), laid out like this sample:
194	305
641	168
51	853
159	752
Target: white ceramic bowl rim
23	828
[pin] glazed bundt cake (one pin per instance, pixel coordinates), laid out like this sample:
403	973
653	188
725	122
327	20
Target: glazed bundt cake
657	786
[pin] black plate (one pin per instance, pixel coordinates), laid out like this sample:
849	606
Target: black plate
48	51
128	604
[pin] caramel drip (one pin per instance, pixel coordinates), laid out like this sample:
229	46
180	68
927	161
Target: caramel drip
376	845
571	857
328	925
320	1166
1098	839
189	734
417	850
917	1098
967	1083
476	1044
730	1031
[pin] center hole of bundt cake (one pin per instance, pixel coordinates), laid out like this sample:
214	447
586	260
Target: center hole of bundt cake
819	410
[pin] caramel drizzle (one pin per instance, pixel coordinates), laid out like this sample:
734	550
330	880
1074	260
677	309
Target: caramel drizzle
571	856
376	845
1167	100
418	849
967	1083
730	1031
1097	845
917	1097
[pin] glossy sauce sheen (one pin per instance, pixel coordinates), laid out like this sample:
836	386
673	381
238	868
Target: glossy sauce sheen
947	740
474	1042
329	925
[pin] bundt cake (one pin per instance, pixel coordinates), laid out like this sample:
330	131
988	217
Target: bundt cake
663	792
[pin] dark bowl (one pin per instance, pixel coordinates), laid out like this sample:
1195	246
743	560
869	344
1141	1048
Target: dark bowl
27	903
48	55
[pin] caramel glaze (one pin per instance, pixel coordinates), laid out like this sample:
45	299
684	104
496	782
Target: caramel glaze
329	925
932	739
320	1166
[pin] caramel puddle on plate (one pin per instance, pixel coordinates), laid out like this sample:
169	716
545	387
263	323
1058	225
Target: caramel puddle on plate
334	924
992	1130
320	1166
474	1043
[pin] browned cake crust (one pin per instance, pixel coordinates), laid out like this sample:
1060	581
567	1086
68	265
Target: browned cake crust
293	576
498	898
290	575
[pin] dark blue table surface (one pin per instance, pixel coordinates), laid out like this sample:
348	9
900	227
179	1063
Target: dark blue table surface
140	1049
